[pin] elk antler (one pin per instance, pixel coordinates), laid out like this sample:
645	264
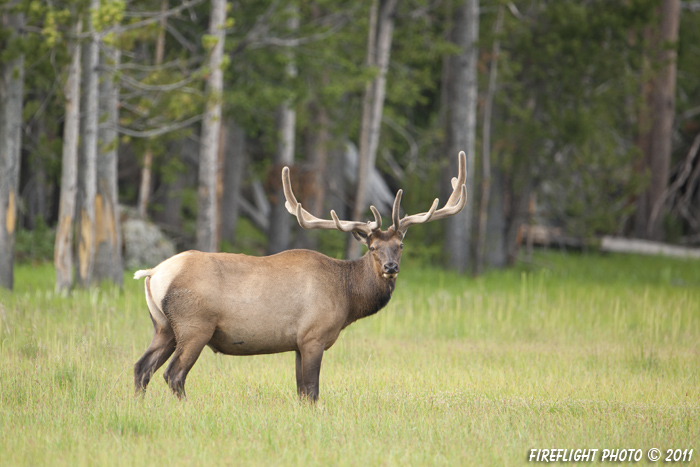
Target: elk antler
309	221
454	204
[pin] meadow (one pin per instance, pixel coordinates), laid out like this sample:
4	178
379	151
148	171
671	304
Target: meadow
571	351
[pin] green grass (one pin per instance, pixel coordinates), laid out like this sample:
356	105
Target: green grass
597	352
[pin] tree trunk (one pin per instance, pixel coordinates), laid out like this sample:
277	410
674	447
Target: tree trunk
11	94
317	139
234	167
517	214
381	31
461	126
87	177
63	250
495	248
147	169
108	257
278	234
656	121
486	149
211	126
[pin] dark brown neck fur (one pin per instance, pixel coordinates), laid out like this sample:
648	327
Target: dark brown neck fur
367	292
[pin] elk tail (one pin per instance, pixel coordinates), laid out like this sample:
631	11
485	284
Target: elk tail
143	273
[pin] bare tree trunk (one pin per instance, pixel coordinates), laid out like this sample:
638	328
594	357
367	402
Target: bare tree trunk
461	131
87	177
172	188
381	31
145	185
234	167
11	94
211	126
656	140
146	170
108	257
495	248
63	250
517	216
278	233
486	149
317	140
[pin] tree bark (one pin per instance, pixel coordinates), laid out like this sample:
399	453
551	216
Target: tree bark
278	235
63	250
234	167
461	130
381	30
87	177
317	139
147	169
486	149
11	97
108	241
656	121
207	211
495	248
170	194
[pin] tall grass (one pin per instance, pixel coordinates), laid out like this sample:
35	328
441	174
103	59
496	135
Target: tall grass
572	352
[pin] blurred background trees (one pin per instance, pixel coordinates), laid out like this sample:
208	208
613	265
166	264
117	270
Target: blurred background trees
580	117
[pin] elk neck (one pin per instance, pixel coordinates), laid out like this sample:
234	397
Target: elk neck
367	292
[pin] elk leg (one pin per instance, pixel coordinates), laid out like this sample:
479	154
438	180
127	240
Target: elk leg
311	355
161	348
300	381
188	350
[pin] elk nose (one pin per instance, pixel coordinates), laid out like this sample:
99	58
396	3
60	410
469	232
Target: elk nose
391	268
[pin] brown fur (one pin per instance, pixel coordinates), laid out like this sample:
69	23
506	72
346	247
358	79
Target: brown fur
298	300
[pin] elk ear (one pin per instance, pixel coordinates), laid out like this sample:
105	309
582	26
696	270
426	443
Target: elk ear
361	237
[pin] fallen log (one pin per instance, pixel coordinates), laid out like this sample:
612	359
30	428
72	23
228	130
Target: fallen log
646	247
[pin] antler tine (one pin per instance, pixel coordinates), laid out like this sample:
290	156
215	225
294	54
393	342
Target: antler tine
421	218
366	227
340	225
290	200
459	181
377	219
395	211
454	204
309	221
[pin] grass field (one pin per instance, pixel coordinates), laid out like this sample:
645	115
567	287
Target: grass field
597	352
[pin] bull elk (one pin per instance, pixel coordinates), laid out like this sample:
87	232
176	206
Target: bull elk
297	300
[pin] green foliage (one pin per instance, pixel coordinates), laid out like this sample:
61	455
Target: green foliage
35	246
568	73
249	240
565	122
109	13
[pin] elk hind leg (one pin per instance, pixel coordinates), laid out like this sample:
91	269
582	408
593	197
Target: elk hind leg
161	348
189	347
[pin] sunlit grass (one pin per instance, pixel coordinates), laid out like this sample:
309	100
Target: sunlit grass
571	352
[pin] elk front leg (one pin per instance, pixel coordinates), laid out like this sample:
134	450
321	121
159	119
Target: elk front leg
300	380
308	365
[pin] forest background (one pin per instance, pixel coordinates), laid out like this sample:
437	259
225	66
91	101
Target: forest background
582	116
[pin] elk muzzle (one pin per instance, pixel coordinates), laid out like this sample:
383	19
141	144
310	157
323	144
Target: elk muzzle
391	270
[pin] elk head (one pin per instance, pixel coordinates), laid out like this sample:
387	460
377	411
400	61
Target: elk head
384	246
